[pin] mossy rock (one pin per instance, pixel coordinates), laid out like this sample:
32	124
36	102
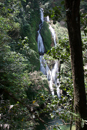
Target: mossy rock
46	35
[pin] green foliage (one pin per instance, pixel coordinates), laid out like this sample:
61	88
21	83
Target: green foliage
62	52
38	87
32	56
54	13
22	89
56	10
29	26
83	19
84	6
27	31
46	35
4	27
84	48
19	56
18	86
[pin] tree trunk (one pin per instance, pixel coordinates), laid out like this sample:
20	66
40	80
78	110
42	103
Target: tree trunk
73	23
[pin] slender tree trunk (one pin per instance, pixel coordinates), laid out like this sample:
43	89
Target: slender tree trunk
71	122
73	23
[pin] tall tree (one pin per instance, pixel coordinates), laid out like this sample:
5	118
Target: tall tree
73	23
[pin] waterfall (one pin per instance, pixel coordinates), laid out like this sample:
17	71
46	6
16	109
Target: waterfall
53	34
41	15
52	74
41	48
40	43
42	65
47	19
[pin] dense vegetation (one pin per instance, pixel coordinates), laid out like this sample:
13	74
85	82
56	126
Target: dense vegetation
20	83
24	92
72	30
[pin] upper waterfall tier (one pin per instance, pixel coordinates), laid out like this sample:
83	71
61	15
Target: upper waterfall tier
41	47
42	15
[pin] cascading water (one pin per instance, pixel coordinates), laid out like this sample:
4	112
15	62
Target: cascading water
55	70
53	34
41	48
40	43
52	74
41	15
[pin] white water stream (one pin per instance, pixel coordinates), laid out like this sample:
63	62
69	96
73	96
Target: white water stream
53	34
41	48
52	74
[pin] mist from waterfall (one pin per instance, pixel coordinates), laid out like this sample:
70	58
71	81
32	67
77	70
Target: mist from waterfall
52	74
